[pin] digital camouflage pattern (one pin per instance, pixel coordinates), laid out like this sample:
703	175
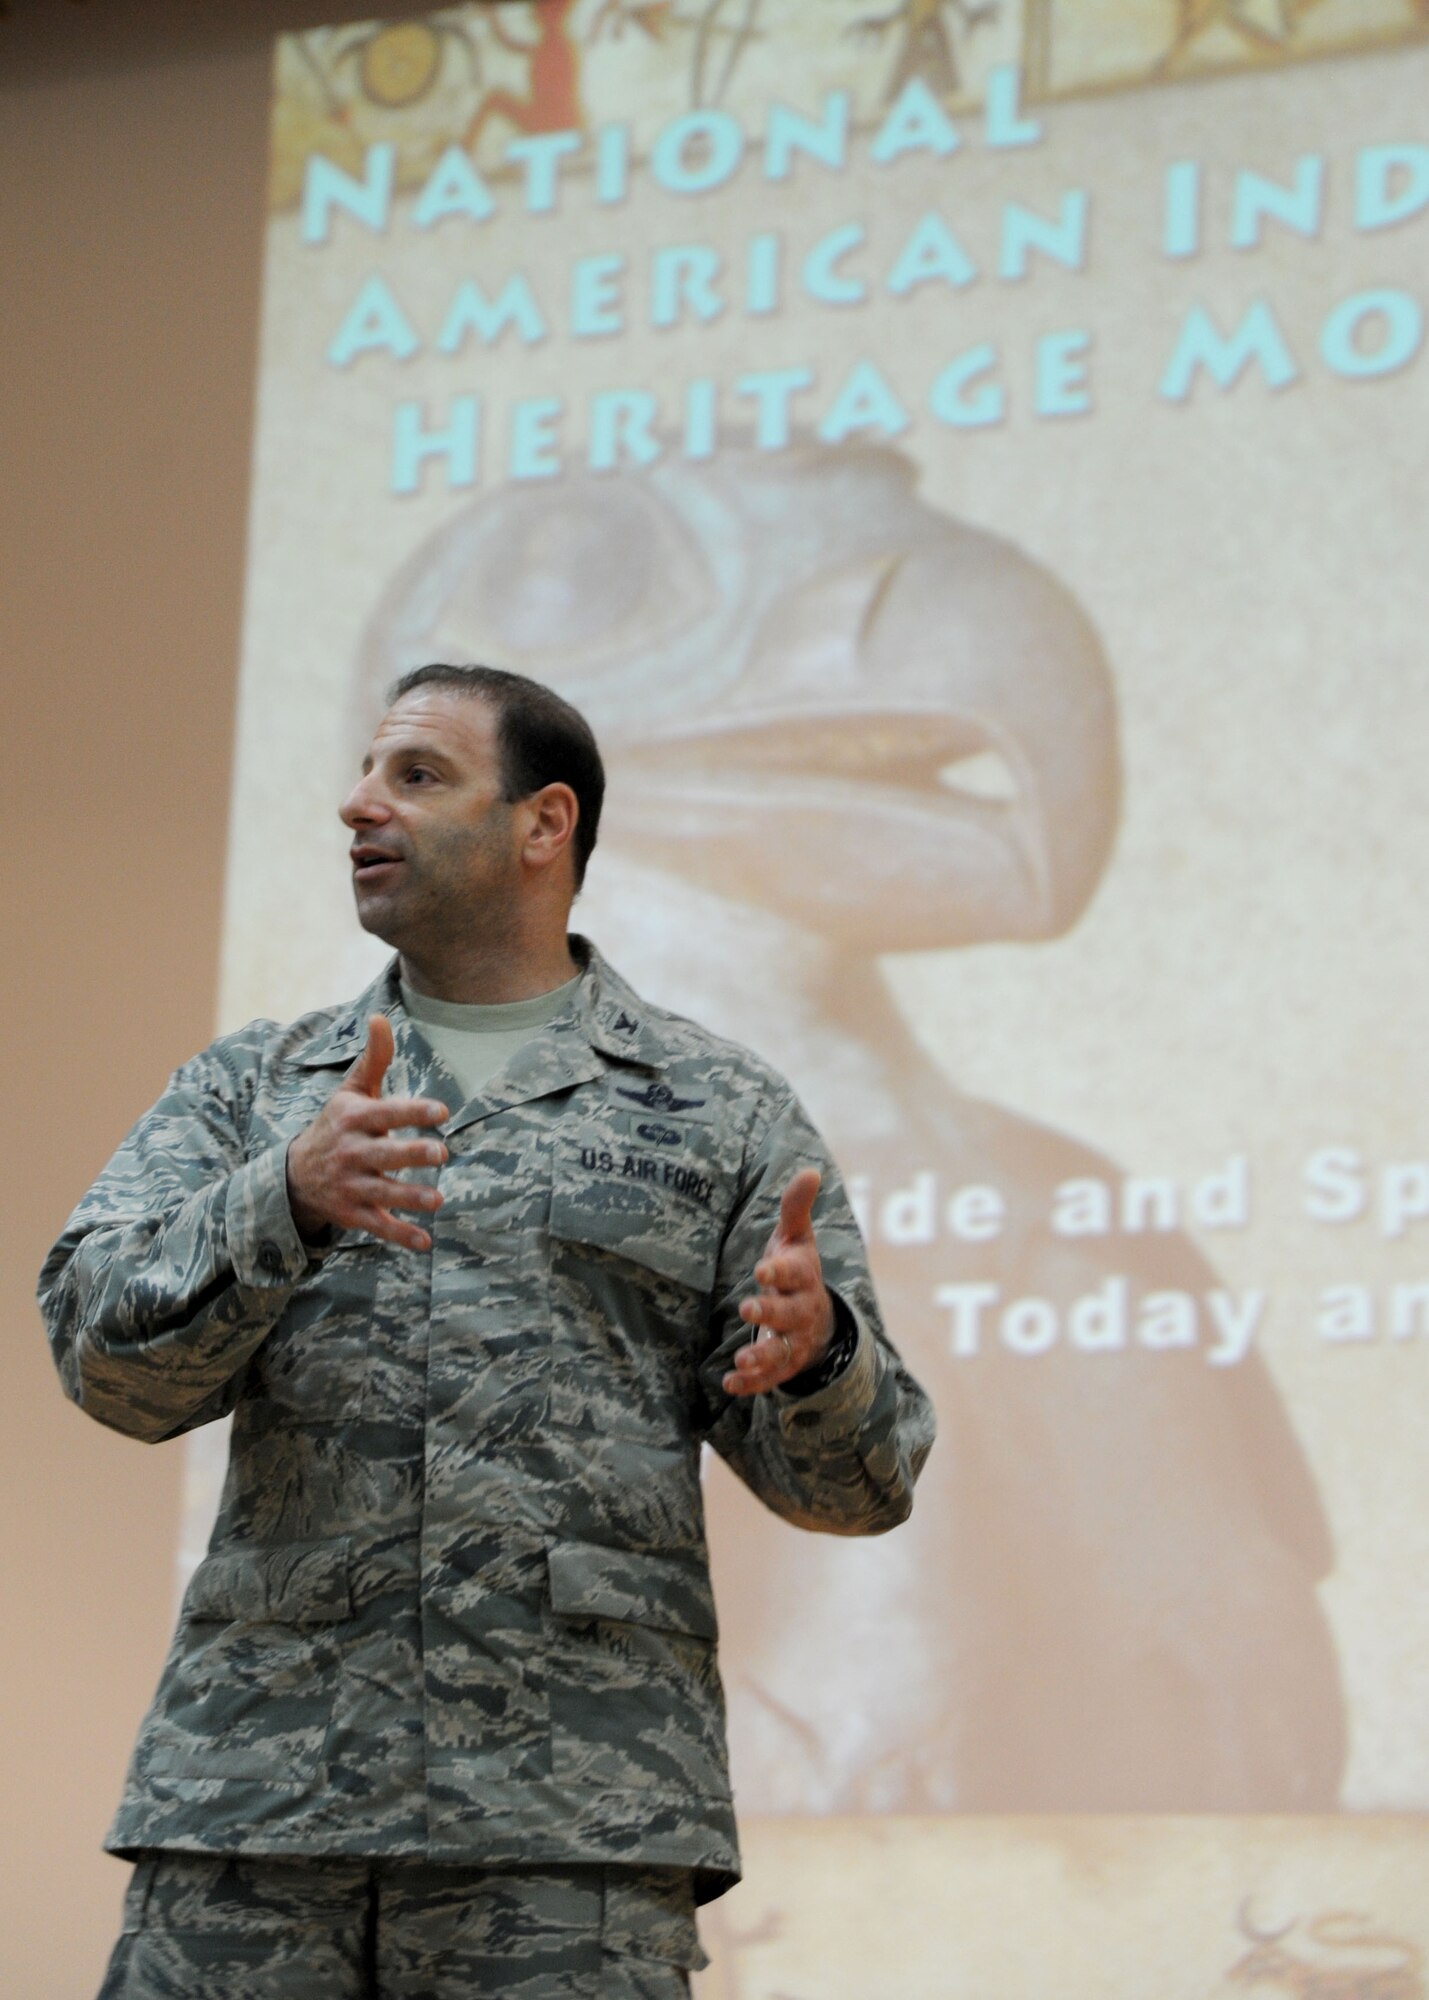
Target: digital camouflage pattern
210	1927
457	1601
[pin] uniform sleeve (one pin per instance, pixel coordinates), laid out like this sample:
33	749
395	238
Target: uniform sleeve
843	1459
174	1267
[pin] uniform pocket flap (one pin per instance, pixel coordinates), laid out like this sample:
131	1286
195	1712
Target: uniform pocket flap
671	1593
303	1583
636	1198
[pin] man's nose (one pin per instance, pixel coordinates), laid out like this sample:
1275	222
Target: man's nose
364	805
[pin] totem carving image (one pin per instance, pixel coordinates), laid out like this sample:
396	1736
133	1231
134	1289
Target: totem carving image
843	725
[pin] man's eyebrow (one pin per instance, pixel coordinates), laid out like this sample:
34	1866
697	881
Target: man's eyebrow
428	753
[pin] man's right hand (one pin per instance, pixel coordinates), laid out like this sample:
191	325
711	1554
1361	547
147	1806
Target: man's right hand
342	1167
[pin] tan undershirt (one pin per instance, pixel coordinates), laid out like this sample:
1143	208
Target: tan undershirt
475	1042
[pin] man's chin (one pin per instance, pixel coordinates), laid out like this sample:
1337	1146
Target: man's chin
378	916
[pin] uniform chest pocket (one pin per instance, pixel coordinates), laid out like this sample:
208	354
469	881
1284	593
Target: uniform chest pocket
316	1361
635	1235
644	1191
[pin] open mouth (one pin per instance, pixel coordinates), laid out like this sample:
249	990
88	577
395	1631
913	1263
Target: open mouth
373	867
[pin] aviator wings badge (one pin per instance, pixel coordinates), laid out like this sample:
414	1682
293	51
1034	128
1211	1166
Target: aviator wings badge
660	1097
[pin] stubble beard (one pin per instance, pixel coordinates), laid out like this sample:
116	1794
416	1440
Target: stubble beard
435	911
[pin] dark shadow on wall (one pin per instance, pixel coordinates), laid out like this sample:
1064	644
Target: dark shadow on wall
42	41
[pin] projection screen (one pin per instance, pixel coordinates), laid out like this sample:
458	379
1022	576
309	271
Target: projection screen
964	457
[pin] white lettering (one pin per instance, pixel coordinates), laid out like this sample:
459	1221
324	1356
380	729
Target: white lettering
1147	1203
1082	1208
1335	1190
1403	1195
909	1214
1346	1312
976	1214
1236	1320
1029	1326
1222	1200
1409	1311
1167	1319
966	1303
1098	1321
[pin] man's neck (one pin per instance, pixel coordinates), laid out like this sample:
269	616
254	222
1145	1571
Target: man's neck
475	977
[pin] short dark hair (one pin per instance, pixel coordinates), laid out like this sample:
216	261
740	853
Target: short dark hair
540	739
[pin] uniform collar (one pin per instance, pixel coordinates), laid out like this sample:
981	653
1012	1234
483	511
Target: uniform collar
614	1018
604	1014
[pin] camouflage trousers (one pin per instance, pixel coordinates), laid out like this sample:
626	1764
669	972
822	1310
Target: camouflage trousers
223	1927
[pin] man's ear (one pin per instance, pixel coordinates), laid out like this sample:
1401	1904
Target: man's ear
552	815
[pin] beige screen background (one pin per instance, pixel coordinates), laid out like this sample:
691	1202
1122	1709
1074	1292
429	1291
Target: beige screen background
1060	769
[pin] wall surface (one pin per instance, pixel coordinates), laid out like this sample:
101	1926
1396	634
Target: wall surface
132	147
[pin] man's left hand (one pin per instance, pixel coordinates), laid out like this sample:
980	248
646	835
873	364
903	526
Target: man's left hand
793	1312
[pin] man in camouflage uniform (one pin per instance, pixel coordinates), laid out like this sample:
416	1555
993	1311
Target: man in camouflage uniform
442	1714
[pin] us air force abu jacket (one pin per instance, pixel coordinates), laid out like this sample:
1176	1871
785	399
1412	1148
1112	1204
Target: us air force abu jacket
457	1601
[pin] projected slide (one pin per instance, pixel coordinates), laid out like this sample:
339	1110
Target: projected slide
966	461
